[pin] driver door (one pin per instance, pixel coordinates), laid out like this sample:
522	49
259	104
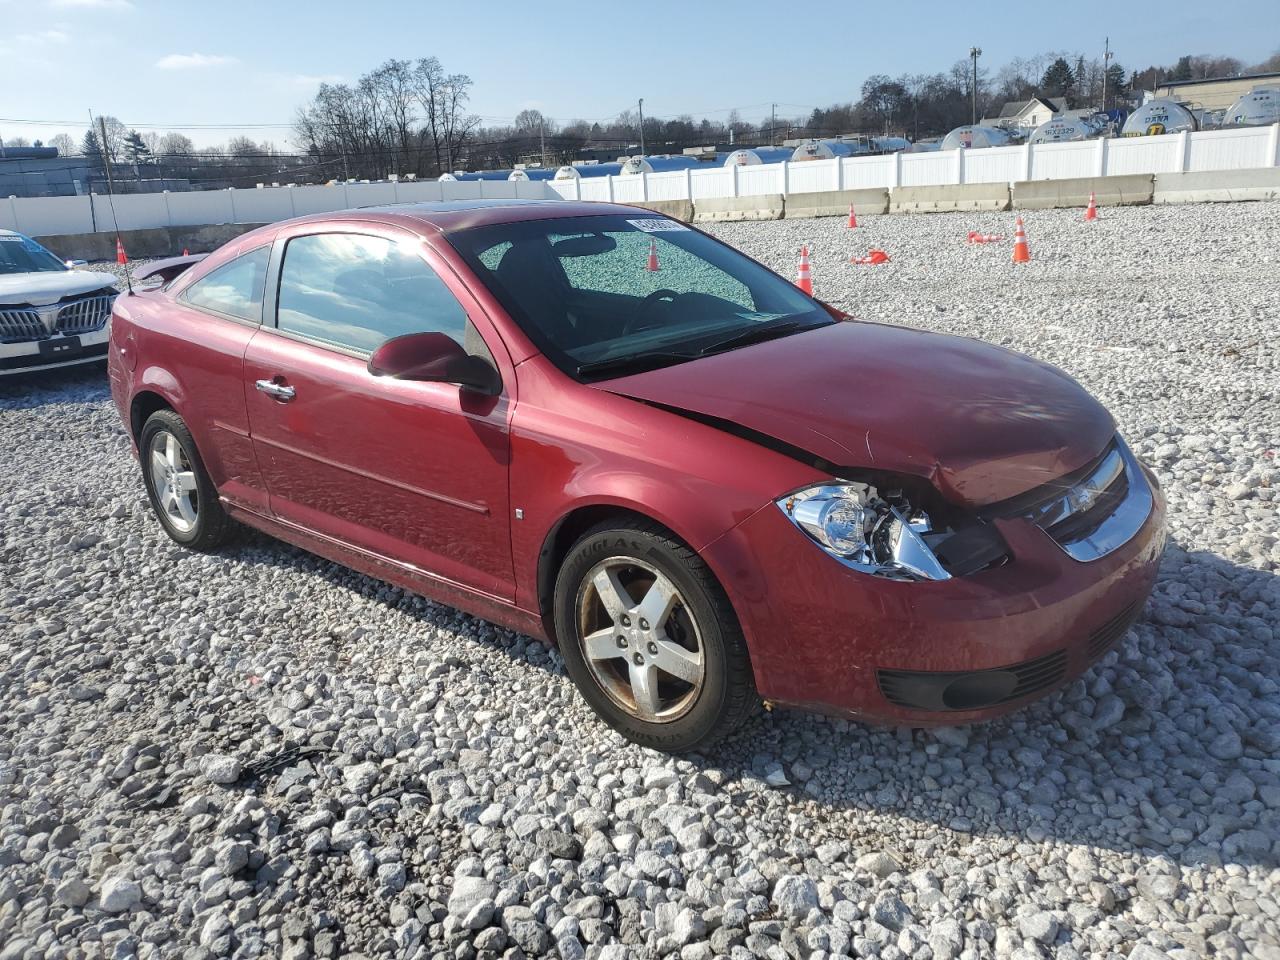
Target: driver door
408	471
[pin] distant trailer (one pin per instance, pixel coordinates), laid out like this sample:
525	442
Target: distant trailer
635	165
975	137
826	150
482	175
754	156
891	144
582	171
1161	115
532	173
1063	131
1260	107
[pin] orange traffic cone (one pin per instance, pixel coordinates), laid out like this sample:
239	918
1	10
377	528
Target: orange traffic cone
976	237
186	252
1091	211
804	279
1021	253
652	265
871	259
853	218
120	257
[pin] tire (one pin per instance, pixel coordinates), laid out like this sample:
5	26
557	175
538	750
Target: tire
641	677
194	518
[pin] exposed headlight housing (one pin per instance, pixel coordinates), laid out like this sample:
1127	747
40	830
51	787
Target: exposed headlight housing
857	526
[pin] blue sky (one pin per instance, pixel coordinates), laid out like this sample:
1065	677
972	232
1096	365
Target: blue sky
173	63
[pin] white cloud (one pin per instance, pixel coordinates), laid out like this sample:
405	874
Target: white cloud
188	61
99	4
43	36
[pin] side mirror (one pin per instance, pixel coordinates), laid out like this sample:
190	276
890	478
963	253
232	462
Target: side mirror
436	358
72	264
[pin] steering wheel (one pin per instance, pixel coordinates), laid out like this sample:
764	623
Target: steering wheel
634	323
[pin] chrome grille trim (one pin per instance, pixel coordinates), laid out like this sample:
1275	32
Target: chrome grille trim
86	315
1123	517
18	324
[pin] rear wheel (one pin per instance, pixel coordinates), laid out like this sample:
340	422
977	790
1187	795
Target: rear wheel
650	639
178	486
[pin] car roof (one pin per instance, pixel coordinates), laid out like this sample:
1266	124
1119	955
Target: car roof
451	215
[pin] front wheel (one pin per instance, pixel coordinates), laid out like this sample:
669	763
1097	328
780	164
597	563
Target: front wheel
178	486
650	638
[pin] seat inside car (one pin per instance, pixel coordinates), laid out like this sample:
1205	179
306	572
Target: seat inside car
535	277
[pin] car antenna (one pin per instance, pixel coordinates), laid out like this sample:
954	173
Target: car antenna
111	194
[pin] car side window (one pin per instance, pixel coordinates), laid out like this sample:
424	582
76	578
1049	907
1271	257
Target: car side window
357	292
235	288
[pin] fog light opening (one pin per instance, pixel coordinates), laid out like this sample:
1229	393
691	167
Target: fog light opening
974	691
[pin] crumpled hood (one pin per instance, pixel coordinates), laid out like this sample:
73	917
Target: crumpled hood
980	422
50	287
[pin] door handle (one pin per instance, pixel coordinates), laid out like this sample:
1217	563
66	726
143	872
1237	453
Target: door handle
277	390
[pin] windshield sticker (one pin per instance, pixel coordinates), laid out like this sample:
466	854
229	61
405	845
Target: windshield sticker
657	226
760	317
11	238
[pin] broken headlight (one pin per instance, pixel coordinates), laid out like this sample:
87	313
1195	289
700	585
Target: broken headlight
863	530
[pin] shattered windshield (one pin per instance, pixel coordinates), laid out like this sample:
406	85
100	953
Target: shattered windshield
602	295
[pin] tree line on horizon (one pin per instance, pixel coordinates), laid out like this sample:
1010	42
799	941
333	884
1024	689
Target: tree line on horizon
411	117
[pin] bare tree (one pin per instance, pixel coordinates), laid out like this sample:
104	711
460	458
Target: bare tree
67	147
444	98
174	144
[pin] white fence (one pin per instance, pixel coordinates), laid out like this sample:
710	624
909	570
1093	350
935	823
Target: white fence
47	216
1243	149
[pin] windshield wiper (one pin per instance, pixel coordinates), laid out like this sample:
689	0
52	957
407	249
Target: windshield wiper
758	334
635	363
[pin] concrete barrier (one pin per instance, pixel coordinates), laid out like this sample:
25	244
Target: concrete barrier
1211	186
1119	191
835	203
153	242
956	196
767	206
677	209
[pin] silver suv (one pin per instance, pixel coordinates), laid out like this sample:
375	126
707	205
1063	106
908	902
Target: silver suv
51	314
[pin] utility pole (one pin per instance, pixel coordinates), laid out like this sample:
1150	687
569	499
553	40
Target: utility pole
542	137
974	54
1106	64
642	126
773	122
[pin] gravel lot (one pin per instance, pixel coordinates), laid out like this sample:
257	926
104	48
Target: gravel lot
259	753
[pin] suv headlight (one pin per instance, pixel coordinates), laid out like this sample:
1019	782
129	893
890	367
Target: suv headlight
858	527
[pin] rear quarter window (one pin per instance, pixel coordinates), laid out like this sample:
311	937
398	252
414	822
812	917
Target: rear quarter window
235	288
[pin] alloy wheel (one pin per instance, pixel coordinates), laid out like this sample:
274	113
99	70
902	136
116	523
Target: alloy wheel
639	639
174	482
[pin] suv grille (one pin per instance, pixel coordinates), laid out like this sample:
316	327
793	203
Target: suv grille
20	323
74	315
85	315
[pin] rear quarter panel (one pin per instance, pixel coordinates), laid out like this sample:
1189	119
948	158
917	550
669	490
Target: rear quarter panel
194	362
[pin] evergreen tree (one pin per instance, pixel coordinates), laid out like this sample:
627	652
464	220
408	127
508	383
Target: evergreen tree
1183	69
91	147
1117	85
135	149
1058	80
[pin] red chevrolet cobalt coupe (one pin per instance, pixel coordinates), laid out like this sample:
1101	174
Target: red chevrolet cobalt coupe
600	426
